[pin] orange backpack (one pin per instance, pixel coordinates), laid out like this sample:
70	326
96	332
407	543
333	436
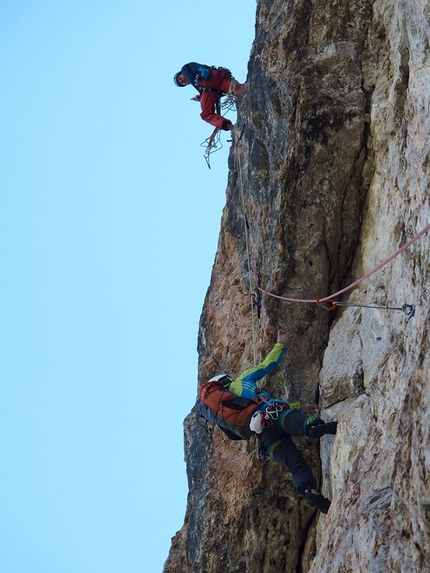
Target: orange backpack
230	412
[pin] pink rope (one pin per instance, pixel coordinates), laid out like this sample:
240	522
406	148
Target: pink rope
390	258
285	297
339	292
367	275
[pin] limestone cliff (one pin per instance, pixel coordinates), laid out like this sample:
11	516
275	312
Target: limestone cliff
334	163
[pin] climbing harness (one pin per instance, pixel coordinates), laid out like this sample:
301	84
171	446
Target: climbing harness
263	419
273	411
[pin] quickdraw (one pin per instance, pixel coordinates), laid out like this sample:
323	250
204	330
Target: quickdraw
329	304
273	411
256	301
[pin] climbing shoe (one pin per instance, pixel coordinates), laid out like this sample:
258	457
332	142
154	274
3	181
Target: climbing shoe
322	429
318	500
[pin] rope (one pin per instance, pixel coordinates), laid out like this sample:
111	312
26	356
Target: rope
358	281
214	143
233	87
409	309
378	267
248	256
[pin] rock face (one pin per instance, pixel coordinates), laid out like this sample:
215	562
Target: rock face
332	175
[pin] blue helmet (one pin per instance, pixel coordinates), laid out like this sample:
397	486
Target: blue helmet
175	79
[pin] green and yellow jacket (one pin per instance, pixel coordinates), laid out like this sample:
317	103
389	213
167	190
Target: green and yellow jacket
246	384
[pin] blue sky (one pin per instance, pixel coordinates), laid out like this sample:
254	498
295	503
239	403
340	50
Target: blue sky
109	222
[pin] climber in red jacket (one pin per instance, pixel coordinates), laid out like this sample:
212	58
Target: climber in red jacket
211	83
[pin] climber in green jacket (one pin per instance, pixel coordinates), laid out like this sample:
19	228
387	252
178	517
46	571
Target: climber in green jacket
276	421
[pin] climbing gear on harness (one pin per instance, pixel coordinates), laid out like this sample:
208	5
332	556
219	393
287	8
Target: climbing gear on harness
265	416
233	86
273	411
227	73
256	301
203	89
205	73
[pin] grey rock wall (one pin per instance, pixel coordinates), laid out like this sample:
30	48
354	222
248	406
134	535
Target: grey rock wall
334	170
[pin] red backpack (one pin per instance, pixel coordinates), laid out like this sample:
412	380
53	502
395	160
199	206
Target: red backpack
229	411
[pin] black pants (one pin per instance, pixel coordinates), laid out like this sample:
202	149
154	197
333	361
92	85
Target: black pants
279	445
